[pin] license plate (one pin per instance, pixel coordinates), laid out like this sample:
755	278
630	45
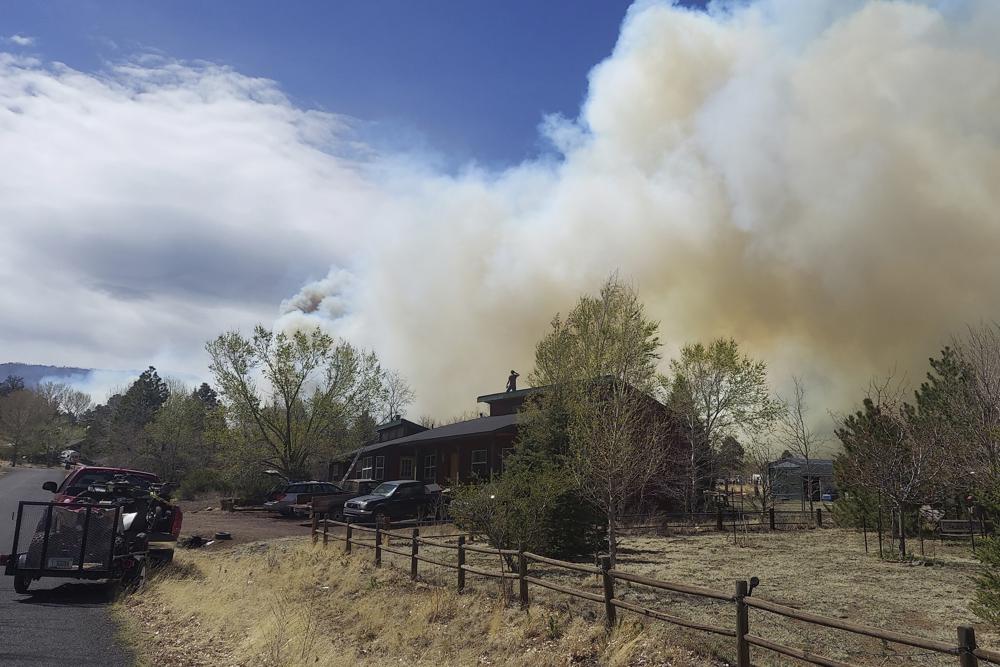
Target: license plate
60	563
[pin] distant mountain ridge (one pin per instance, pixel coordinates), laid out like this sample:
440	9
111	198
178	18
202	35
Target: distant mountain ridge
35	373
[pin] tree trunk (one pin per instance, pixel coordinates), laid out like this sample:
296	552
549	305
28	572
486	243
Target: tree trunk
693	503
902	534
612	540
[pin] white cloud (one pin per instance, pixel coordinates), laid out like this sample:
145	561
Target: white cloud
21	40
817	179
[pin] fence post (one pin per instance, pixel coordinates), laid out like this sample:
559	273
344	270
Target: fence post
347	545
742	626
315	527
770	517
522	572
966	646
414	547
718	519
609	591
378	545
461	563
819	517
326	529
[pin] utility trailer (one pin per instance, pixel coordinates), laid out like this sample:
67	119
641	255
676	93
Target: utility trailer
75	540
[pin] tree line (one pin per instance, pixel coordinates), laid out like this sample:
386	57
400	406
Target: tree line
284	402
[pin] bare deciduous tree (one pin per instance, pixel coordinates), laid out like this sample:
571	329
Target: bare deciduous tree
396	395
758	454
798	437
977	407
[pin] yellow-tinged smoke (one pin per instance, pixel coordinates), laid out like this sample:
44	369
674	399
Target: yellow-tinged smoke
819	179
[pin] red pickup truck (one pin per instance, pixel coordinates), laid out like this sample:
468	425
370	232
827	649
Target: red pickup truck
80	479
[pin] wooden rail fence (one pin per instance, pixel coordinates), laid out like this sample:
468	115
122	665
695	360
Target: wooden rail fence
966	651
726	520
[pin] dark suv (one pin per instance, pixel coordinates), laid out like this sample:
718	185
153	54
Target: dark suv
391	501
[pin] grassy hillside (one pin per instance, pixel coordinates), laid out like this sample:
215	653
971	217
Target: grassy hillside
288	603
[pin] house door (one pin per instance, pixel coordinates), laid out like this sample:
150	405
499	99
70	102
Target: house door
453	466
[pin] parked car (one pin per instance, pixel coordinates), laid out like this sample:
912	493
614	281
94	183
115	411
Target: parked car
392	501
359	487
284	500
332	504
167	526
69	457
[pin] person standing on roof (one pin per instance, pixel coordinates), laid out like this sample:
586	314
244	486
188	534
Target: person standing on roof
512	381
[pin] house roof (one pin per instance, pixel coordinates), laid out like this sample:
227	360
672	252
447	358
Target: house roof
477	426
815	467
520	393
398	422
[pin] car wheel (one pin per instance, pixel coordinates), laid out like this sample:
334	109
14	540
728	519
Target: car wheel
21	584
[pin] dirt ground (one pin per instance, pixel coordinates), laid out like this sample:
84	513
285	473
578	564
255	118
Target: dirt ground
205	518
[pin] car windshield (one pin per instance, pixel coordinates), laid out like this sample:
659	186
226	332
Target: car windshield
384	490
85	480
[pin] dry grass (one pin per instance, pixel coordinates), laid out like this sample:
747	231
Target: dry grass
288	603
827	572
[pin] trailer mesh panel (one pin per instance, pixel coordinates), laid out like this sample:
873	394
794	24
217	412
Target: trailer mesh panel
66	537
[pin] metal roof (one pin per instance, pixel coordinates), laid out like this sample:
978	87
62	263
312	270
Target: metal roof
457	430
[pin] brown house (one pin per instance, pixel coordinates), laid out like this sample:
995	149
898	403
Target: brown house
463	451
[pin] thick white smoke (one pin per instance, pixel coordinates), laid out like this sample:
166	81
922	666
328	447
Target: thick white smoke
818	178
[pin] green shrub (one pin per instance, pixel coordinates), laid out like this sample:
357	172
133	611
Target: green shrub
534	507
200	481
987	600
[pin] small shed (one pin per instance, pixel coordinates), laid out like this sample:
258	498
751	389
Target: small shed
795	479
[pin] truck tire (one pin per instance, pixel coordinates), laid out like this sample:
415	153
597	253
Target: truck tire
136	581
21	584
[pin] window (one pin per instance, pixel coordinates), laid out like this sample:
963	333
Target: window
406	467
366	468
379	467
430	467
480	466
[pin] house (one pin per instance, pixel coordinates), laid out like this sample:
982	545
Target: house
793	479
463	451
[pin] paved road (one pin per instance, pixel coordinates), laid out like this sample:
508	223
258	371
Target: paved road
63	623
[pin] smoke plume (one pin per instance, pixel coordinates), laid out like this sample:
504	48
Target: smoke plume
819	179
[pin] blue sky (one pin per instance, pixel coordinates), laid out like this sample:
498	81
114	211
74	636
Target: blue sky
463	80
